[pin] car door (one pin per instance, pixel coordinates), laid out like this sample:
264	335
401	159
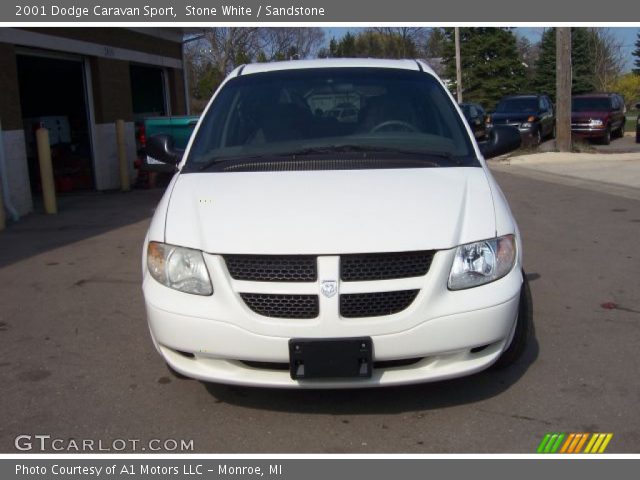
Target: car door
552	115
482	115
546	117
619	112
474	119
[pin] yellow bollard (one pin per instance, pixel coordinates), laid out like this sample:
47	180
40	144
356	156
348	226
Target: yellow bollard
46	171
122	157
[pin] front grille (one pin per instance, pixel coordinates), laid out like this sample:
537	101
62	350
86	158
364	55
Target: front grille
384	266
282	306
406	362
272	268
356	305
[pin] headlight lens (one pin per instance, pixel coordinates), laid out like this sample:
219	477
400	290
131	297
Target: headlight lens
525	125
595	123
482	262
179	268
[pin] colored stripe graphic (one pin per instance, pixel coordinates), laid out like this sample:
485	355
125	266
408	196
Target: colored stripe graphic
592	441
606	441
581	442
543	443
574	442
568	442
556	445
551	443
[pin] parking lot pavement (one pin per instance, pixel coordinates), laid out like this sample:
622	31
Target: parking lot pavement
616	173
76	360
620	145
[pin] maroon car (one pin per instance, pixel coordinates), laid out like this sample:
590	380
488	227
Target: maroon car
599	116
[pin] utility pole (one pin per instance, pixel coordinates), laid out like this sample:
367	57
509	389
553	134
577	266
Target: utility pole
563	89
458	65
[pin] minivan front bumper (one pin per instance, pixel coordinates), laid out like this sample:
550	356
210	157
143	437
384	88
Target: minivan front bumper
442	334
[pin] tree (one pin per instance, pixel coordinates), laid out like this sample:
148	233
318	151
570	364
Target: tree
583	72
406	41
544	79
434	43
582	67
401	42
636	53
211	57
286	43
491	67
628	86
529	53
608	59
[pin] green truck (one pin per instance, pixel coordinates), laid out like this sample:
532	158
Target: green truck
179	128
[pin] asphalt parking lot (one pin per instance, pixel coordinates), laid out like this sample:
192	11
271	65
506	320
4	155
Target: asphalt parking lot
76	360
625	144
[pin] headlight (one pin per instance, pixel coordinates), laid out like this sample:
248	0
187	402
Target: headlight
482	262
525	125
595	123
179	268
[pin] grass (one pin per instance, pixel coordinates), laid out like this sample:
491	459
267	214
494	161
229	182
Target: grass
632	118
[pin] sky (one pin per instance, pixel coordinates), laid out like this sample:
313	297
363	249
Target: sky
626	35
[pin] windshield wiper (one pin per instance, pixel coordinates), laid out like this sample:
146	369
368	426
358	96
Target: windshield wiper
215	161
364	149
423	155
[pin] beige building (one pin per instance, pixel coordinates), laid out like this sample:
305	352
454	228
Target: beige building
77	82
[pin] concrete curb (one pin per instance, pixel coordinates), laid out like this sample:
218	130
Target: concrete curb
557	157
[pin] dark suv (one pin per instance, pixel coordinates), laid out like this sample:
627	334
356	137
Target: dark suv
598	115
533	115
477	119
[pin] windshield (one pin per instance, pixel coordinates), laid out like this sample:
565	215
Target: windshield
304	113
595	104
517	105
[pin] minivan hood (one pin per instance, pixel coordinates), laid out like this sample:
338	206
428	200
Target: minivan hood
330	212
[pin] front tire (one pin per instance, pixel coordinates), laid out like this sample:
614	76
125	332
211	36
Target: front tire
524	329
537	139
606	140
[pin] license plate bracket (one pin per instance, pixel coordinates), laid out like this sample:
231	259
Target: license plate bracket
330	358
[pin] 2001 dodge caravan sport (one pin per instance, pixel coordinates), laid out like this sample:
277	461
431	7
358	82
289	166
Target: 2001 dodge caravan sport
297	247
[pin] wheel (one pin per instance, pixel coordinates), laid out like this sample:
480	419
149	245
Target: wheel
620	132
524	327
537	139
606	140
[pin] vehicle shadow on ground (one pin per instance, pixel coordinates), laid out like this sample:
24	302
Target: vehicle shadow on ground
80	216
389	400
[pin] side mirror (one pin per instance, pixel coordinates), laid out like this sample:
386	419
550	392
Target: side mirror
161	153
502	139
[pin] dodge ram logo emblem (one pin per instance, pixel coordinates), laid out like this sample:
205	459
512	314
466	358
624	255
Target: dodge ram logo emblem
329	287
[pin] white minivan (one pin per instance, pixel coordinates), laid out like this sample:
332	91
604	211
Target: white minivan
294	249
